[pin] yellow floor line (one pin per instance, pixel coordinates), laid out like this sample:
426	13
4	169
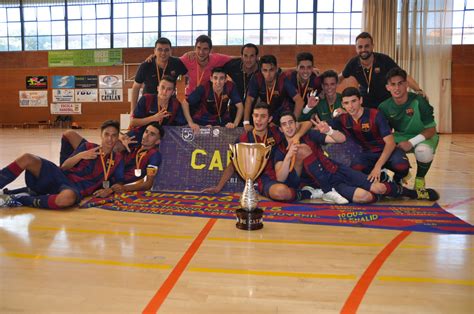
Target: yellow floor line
233	271
83	260
269	273
224	239
109	232
427	280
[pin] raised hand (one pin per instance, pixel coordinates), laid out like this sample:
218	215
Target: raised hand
313	100
127	140
90	154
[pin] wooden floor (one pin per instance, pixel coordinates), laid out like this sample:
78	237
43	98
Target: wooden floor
98	261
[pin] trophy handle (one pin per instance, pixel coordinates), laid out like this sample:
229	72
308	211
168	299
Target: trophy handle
233	157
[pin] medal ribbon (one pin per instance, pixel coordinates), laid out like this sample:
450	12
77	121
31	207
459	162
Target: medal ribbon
305	88
256	138
199	78
158	72
368	79
269	97
218	101
138	158
109	161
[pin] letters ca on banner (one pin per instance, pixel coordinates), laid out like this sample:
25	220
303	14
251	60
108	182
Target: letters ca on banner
196	161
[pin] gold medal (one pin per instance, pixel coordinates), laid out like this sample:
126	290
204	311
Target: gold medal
106	184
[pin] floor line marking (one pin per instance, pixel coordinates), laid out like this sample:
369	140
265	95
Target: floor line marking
224	239
458	203
236	271
173	277
271	273
83	260
461	282
355	298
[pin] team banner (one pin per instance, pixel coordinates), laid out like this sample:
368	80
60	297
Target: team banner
196	161
379	216
63	95
66	108
33	98
63	81
78	58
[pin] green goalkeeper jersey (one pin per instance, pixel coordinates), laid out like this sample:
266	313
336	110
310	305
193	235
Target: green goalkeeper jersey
410	118
323	110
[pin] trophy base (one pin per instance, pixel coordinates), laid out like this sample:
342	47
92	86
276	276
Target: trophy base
249	220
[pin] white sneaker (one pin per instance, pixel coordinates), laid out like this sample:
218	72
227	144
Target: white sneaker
315	193
334	197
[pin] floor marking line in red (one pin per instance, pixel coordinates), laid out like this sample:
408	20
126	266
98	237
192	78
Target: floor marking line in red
160	296
455	204
355	298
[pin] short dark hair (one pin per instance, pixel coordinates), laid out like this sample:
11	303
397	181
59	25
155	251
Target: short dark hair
218	70
262	105
249	45
396	71
268	59
329	73
350	91
169	78
287	113
204	39
365	35
163	41
304	56
157	126
113	123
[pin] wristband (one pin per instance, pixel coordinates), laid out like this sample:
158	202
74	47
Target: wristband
417	139
330	132
306	109
246	122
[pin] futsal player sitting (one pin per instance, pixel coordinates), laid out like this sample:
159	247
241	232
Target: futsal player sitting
89	168
141	162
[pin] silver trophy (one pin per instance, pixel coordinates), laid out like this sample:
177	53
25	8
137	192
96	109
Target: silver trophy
249	160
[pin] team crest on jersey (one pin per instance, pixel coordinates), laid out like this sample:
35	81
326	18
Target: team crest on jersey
377	70
409	112
173	73
187	134
365	127
151	170
110	162
270	141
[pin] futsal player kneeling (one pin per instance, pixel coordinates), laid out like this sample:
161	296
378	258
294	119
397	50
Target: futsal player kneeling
353	185
89	168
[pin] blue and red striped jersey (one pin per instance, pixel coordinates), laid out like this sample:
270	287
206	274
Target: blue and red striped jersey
207	110
88	174
147	158
368	132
